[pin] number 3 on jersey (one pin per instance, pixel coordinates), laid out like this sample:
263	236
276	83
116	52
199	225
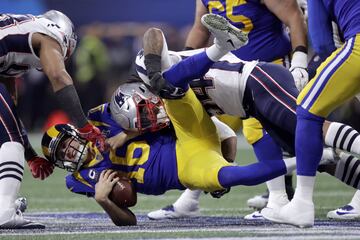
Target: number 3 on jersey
239	20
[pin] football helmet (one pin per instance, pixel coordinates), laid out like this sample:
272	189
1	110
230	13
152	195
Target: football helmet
134	107
66	26
63	146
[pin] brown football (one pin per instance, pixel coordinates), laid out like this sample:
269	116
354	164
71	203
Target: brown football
123	193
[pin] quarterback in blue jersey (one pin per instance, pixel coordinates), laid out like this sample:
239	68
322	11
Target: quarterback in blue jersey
335	82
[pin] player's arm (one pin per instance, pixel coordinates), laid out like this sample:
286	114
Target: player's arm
119	216
321	37
52	62
288	11
199	35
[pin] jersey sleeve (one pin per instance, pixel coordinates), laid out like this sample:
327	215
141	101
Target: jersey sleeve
76	186
321	37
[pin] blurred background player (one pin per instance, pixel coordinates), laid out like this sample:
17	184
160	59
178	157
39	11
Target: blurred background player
42	42
326	91
268	41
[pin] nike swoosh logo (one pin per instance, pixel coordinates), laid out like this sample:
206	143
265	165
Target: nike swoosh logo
231	42
257	216
342	213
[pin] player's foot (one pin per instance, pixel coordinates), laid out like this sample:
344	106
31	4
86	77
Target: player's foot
254	216
226	35
276	202
298	212
258	201
18	222
170	212
346	212
21	204
329	156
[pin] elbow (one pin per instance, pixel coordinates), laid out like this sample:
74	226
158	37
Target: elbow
153	33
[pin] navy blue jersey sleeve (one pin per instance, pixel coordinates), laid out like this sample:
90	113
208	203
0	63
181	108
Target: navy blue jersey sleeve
320	29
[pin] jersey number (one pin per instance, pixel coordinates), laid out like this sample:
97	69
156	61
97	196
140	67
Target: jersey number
246	23
137	154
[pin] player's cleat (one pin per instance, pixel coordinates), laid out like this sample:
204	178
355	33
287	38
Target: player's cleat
346	212
21	204
258	201
329	156
226	35
298	212
254	216
18	222
170	212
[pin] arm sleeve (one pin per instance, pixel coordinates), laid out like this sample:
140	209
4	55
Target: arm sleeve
320	29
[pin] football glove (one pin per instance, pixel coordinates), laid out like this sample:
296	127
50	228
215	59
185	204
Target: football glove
219	193
298	69
164	89
94	135
40	167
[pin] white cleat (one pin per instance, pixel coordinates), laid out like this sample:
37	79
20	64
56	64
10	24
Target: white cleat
258	201
226	35
346	212
169	212
254	216
298	212
18	222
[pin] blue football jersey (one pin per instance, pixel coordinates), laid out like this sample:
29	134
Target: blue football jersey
148	160
268	39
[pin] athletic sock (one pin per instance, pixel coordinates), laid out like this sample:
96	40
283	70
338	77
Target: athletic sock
305	187
343	136
188	201
11	174
355	201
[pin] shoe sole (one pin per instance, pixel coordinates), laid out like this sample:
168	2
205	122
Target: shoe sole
214	21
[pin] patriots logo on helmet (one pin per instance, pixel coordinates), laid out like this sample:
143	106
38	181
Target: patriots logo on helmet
121	98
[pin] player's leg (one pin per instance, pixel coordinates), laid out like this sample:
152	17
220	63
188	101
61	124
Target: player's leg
12	139
322	95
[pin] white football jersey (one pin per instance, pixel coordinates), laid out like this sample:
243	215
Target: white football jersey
222	88
16	52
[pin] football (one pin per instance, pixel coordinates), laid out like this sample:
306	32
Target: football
123	193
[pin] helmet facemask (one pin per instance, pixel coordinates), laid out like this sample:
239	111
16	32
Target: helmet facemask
63	146
151	114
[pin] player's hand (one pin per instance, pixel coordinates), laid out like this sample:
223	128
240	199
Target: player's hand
105	184
40	167
298	69
93	134
301	77
220	193
164	89
121	138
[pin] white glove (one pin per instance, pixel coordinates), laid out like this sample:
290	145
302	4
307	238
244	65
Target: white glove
298	69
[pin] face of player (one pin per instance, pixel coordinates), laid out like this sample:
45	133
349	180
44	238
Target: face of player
73	153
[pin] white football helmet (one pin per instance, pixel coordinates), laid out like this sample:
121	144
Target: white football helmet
134	107
66	26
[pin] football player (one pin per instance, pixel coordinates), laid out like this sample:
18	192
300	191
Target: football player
334	83
42	42
257	89
268	41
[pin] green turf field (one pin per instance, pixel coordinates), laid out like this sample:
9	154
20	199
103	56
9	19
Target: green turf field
51	195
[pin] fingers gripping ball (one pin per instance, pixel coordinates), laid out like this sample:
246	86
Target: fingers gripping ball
123	193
